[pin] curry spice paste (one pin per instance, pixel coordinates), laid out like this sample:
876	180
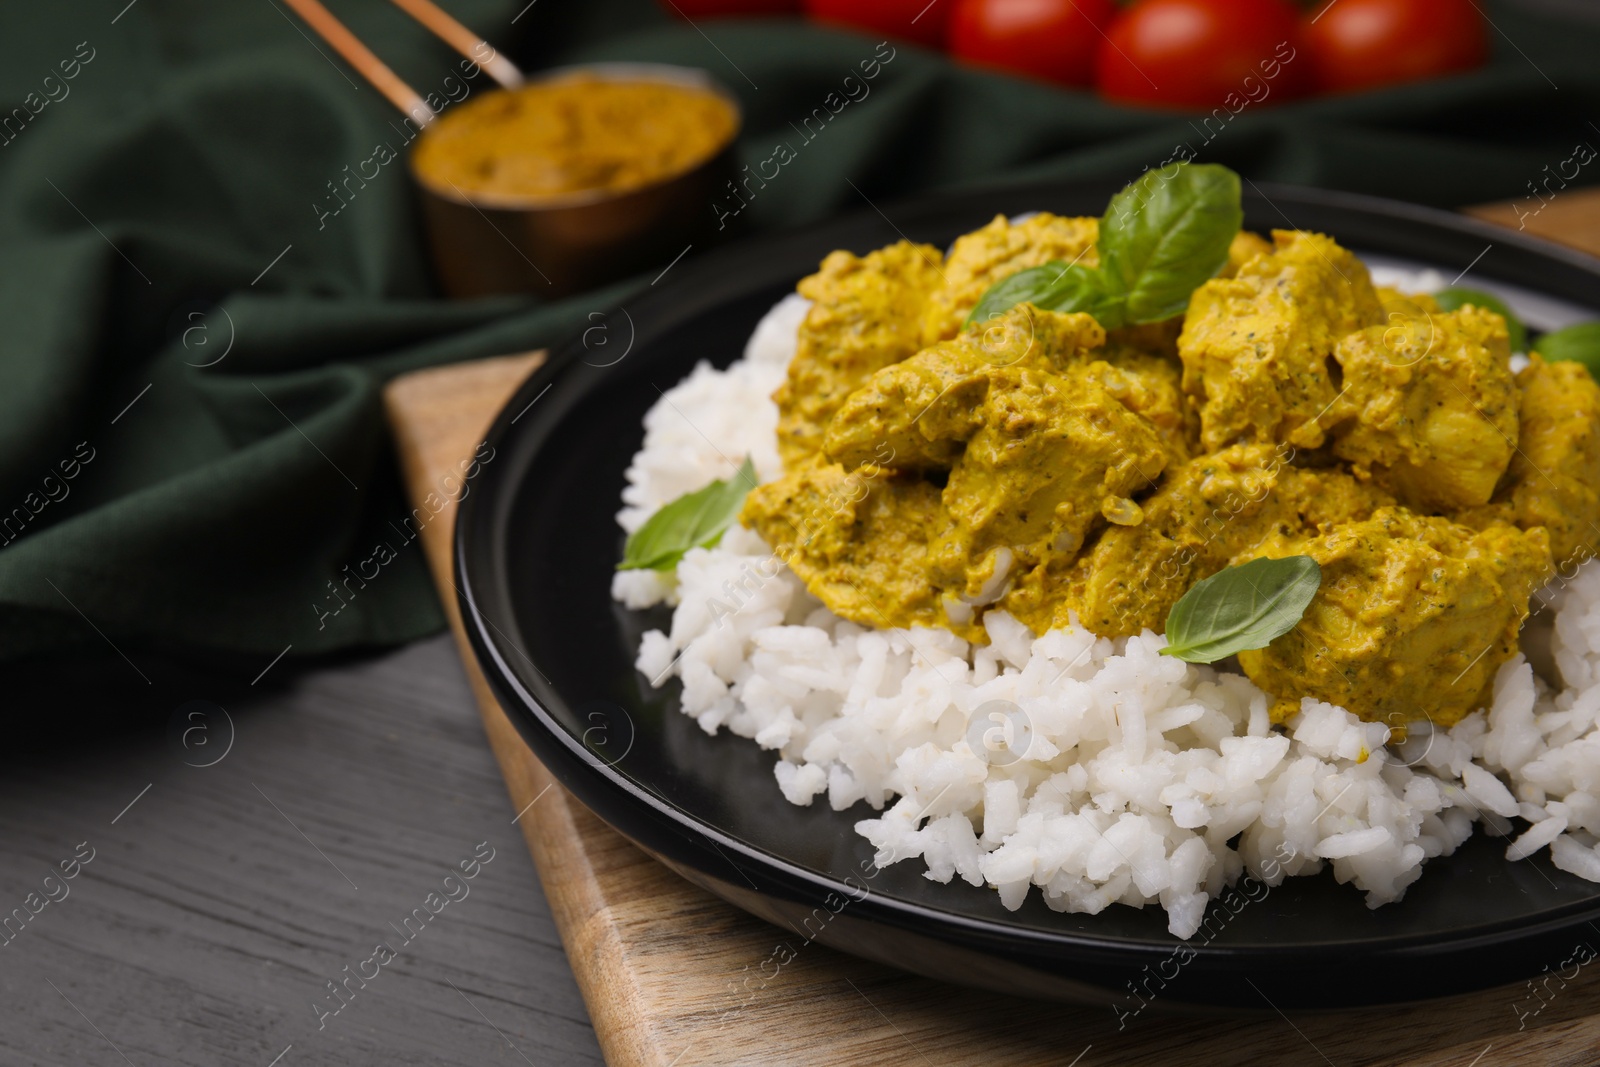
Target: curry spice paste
554	139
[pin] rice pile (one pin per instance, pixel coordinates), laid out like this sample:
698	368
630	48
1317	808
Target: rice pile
1095	769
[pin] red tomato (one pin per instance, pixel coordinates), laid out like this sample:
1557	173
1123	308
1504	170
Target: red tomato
1051	39
921	21
1358	44
1194	53
704	9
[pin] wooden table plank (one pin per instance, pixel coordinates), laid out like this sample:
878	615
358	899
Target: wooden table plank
206	925
1567	216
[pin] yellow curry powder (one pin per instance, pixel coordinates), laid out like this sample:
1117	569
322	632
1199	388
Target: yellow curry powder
556	138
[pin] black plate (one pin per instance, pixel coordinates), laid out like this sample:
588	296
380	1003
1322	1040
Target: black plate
537	542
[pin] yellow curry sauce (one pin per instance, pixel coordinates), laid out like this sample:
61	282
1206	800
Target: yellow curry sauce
552	139
1042	465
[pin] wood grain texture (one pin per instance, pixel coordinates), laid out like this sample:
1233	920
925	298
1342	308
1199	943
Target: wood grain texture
208	922
673	977
1567	216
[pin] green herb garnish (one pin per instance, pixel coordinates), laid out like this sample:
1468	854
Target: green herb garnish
1241	608
1160	239
694	520
1453	297
1580	344
1055	286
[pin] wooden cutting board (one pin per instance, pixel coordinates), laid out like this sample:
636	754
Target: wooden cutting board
674	977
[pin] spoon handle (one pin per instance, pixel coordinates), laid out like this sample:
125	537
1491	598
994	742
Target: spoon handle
444	26
359	56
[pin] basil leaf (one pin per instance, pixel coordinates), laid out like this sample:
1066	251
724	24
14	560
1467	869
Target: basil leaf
1056	286
694	520
1168	233
1084	289
1241	608
1453	297
1580	344
1024	287
1160	239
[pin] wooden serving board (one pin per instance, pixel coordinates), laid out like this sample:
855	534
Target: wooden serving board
675	977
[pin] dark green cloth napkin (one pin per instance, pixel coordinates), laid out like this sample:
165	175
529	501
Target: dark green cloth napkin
192	450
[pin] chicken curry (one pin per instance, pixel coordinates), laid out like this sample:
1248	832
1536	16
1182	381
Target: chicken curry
1039	463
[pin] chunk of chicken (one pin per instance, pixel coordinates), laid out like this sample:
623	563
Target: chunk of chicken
918	414
1151	386
1054	458
983	257
866	314
1207	512
1409	305
1255	347
1428	407
859	540
1553	480
1414	616
1245	247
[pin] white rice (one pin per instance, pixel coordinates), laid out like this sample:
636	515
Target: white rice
702	429
1097	770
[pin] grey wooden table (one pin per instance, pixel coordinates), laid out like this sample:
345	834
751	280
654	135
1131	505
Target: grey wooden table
221	900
